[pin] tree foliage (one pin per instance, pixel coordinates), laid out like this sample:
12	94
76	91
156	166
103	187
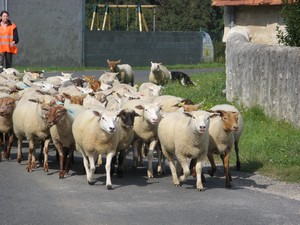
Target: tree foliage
172	15
291	15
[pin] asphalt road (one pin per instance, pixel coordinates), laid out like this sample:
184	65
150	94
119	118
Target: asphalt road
41	198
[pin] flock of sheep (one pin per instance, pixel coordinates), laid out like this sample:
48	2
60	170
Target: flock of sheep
108	116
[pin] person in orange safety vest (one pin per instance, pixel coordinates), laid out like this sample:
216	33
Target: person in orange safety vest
8	40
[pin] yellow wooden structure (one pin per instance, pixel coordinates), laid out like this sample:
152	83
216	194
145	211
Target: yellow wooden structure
106	20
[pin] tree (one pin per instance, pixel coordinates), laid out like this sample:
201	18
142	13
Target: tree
290	13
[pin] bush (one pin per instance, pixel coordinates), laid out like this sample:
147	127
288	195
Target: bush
290	13
219	51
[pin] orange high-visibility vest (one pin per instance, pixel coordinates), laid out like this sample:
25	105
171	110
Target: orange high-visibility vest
6	36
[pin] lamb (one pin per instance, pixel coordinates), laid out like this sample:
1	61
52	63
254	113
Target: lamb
96	132
236	134
29	122
221	139
125	126
60	120
7	106
125	72
145	128
185	135
159	74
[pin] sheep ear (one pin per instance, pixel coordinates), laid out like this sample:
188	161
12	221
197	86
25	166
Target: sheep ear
40	92
188	114
136	114
118	61
96	113
213	113
107	60
139	107
36	100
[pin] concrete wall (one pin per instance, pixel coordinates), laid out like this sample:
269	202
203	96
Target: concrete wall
140	48
261	22
50	32
264	75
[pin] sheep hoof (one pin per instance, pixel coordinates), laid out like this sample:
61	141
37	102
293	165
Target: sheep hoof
61	175
19	160
212	172
150	174
200	189
228	185
91	182
177	185
109	187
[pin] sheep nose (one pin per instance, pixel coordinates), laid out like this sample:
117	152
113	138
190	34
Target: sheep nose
202	127
235	128
111	129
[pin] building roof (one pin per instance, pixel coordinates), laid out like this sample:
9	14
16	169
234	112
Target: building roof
245	2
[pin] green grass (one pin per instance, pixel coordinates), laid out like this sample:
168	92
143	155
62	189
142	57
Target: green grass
173	67
267	146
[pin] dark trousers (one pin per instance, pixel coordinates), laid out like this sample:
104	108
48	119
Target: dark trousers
6	59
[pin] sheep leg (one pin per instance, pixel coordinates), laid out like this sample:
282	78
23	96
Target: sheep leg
135	146
160	163
31	148
19	157
226	168
199	174
238	163
171	160
99	161
46	149
8	147
107	168
87	169
142	153
213	169
70	157
150	158
186	171
92	169
61	159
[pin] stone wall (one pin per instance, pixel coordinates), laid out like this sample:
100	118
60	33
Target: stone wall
264	75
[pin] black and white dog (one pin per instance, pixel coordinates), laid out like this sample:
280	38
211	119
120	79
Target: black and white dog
182	77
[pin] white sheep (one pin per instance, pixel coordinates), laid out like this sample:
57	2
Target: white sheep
150	89
236	134
29	122
221	139
159	74
185	135
169	103
125	73
145	128
96	132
